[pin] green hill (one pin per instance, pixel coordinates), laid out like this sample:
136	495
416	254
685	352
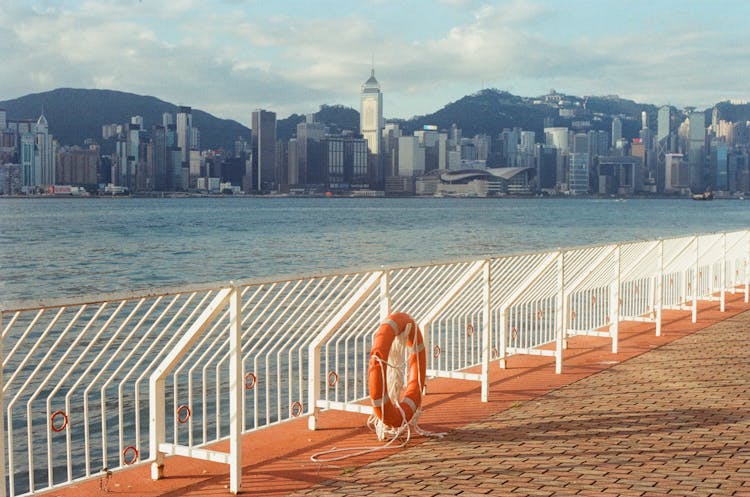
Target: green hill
77	114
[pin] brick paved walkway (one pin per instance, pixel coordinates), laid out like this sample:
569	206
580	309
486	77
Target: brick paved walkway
674	421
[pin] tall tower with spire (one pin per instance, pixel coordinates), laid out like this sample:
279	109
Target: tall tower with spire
371	113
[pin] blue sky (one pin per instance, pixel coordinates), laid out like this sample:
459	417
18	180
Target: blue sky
229	57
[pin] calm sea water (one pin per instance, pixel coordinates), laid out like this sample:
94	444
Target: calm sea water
60	248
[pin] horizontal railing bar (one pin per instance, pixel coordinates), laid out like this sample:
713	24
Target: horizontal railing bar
344	406
195	453
454	375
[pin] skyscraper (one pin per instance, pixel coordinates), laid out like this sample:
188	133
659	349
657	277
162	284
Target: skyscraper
663	124
264	150
371	113
616	130
184	134
696	150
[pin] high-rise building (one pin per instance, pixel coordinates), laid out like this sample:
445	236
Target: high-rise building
663	123
184	134
371	113
264	151
696	150
616	130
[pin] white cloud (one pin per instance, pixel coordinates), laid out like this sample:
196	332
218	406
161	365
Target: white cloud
235	57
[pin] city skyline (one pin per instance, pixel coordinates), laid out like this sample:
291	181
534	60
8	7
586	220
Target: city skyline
236	56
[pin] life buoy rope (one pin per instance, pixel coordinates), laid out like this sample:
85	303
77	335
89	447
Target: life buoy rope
396	409
394	412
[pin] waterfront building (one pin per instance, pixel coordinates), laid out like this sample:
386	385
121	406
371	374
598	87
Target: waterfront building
371	113
310	153
720	177
664	123
411	157
157	158
621	175
676	174
184	129
264	163
546	167
616	130
77	166
578	174
391	134
10	179
696	150
346	163
371	125
558	138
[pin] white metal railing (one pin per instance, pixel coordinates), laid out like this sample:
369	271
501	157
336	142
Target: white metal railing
103	384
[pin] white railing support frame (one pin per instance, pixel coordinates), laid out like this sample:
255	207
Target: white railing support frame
486	330
695	280
313	366
157	391
236	384
659	301
614	300
723	278
513	298
2	415
561	313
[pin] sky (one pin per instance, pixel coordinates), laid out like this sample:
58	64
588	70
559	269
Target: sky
229	57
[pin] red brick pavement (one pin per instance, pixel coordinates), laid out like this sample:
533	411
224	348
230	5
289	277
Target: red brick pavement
674	421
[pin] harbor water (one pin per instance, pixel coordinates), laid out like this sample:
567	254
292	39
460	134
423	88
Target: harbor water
53	248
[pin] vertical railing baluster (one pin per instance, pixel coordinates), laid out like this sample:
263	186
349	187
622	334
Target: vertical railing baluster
695	280
235	391
723	279
659	303
486	303
614	301
562	312
2	416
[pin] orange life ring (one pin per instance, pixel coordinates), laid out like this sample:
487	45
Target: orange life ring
384	408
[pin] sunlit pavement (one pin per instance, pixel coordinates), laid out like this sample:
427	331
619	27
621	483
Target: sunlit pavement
667	415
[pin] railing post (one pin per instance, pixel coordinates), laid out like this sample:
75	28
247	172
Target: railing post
723	278
695	280
157	428
486	332
659	297
236	384
503	332
614	301
747	268
561	313
2	416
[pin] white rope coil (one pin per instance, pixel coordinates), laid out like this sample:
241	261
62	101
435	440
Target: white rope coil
394	379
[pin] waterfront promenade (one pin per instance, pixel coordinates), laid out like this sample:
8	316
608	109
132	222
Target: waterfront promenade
667	415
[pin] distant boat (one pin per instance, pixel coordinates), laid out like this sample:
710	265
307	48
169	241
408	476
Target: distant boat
703	196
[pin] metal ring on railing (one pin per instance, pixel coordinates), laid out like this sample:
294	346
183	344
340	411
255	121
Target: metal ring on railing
539	314
635	289
593	300
470	329
436	351
296	409
250	381
495	352
130	449
333	378
513	334
54	417
183	414
573	315
671	281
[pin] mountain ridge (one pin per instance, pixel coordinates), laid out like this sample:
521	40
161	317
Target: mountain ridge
75	114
